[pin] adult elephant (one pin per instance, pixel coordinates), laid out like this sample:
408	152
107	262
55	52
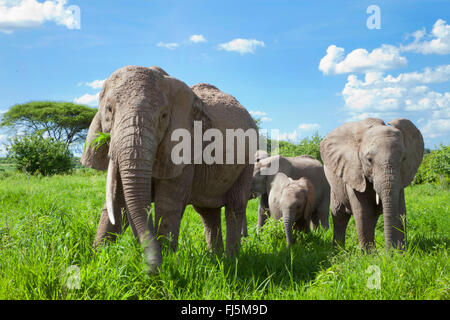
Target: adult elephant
144	110
365	162
295	168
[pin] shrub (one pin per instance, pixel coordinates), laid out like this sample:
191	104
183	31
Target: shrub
435	167
307	146
35	154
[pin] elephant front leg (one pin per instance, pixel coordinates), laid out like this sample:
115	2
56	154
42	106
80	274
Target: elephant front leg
171	198
262	216
364	213
106	230
340	221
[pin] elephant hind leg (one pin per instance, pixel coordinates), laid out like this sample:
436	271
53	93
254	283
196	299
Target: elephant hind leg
212	223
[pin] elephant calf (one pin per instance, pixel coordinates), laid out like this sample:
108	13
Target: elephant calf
293	201
295	168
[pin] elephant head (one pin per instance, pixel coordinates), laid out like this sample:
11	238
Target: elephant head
296	200
140	108
385	156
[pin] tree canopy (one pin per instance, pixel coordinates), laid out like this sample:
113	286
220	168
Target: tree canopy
63	121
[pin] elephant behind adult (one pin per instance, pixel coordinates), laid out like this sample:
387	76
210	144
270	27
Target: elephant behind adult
365	162
293	201
142	108
295	168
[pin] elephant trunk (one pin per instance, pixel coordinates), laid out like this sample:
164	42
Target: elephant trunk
394	228
134	152
288	222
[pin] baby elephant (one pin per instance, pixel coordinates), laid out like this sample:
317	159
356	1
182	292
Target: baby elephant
291	200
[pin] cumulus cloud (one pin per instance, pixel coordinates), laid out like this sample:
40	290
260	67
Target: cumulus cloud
88	99
435	128
309	126
405	95
413	95
438	42
197	38
22	14
261	115
288	136
303	130
96	84
242	46
170	46
360	60
407	91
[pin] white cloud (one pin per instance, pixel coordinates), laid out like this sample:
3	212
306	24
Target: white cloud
96	84
197	38
407	91
405	95
257	113
288	136
360	60
303	130
309	126
261	115
437	42
243	46
170	46
31	14
436	128
88	99
410	95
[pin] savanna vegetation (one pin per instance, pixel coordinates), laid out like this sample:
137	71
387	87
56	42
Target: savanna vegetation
48	225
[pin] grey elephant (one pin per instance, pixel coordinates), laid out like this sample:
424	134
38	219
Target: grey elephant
291	200
368	164
259	155
295	168
142	108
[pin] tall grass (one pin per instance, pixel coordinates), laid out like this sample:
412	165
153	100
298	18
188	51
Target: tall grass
49	224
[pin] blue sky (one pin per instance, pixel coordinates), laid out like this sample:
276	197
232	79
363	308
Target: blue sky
301	66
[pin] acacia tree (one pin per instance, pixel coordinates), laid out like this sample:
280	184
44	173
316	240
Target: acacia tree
62	121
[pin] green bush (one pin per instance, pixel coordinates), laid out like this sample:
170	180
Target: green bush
308	146
35	154
435	167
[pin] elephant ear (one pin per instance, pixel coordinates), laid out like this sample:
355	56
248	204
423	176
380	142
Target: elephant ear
340	152
95	157
310	200
414	149
184	108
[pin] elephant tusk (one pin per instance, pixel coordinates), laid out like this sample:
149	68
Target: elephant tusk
110	186
377	198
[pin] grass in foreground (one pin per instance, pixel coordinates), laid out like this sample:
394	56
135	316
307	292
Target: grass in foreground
48	225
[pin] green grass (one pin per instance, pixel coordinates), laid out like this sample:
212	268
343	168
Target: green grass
49	224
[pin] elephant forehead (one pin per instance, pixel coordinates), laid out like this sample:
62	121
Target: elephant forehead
381	135
134	88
